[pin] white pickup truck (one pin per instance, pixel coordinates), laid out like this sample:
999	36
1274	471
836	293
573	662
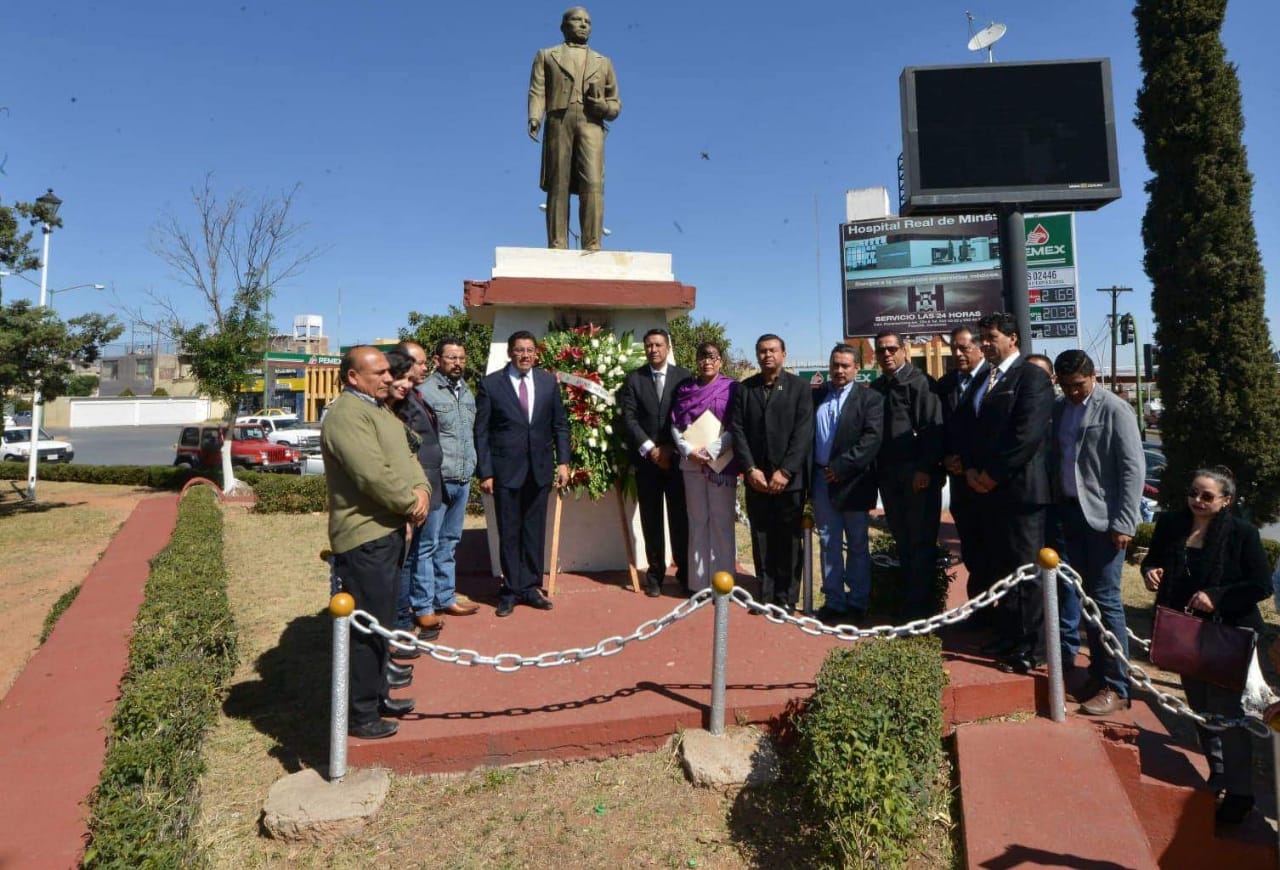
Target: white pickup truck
284	431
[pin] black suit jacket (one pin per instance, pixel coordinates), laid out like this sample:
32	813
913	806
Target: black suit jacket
777	433
646	416
853	452
950	395
1008	435
510	447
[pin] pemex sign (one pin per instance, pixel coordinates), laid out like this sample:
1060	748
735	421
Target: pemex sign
1051	276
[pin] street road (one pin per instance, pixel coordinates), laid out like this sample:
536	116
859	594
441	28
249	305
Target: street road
121	445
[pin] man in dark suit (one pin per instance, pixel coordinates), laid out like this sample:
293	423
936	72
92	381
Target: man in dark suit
519	419
645	400
909	470
848	425
951	388
1006	418
772	439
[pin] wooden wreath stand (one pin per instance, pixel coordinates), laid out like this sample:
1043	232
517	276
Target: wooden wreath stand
627	291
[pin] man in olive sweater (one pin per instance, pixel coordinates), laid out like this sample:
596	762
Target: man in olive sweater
376	487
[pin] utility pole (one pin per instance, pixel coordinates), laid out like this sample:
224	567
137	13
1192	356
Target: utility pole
1115	324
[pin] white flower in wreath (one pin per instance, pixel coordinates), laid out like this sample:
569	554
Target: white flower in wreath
591	441
595	342
608	430
600	369
617	372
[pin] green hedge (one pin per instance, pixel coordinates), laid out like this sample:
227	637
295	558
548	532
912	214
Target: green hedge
870	749
277	493
888	592
154	476
183	650
1142	538
290	494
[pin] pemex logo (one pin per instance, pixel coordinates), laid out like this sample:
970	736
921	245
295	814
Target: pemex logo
1038	236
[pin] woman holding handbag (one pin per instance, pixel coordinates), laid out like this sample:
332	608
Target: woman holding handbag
1206	559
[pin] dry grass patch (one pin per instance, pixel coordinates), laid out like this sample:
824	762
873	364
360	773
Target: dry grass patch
46	549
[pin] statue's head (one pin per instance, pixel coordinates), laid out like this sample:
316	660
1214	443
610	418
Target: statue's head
575	24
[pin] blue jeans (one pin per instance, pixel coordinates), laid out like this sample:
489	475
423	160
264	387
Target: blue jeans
1096	559
1068	600
846	581
445	523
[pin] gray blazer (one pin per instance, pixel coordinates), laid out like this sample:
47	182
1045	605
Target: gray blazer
1110	465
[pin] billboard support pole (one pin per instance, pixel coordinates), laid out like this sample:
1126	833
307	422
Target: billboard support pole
1013	265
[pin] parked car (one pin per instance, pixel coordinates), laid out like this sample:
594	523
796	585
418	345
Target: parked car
277	413
17	446
201	447
281	430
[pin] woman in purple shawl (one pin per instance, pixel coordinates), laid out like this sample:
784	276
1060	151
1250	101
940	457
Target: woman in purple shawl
710	495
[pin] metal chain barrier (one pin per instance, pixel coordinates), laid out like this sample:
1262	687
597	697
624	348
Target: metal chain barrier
1139	677
915	628
406	641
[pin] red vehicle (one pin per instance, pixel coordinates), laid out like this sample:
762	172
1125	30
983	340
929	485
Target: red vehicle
201	447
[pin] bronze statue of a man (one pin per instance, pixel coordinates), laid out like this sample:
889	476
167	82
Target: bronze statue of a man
578	92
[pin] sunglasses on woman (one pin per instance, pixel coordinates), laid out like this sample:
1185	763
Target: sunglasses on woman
1202	495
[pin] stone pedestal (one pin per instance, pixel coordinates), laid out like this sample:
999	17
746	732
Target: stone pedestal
532	288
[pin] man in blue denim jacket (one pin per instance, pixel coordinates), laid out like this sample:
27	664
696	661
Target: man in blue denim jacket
446	393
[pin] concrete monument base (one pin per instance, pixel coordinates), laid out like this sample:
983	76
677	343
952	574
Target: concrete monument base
625	291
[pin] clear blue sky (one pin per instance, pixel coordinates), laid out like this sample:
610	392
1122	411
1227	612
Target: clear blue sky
405	125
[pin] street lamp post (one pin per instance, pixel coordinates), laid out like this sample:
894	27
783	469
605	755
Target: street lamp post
51	205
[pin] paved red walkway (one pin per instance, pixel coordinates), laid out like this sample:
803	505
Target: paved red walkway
52	722
1067	809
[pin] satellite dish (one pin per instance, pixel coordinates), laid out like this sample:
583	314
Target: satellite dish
987	37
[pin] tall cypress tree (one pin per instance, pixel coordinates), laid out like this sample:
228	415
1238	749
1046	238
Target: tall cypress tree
1218	378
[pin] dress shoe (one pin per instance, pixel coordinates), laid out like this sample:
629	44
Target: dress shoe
396	670
395	706
1105	702
1020	663
855	615
458	608
429	620
506	606
538	601
428	634
1234	808
398	681
373	730
653	588
406	654
831	615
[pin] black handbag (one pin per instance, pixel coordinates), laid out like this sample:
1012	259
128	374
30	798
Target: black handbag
1207	650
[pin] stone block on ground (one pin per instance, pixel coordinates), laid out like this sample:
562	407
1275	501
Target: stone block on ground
741	756
304	806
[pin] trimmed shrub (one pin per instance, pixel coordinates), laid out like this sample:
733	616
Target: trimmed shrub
1142	536
1273	551
290	494
183	650
888	592
55	612
153	476
870	748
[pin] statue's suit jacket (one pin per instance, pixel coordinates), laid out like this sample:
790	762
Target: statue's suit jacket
551	85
